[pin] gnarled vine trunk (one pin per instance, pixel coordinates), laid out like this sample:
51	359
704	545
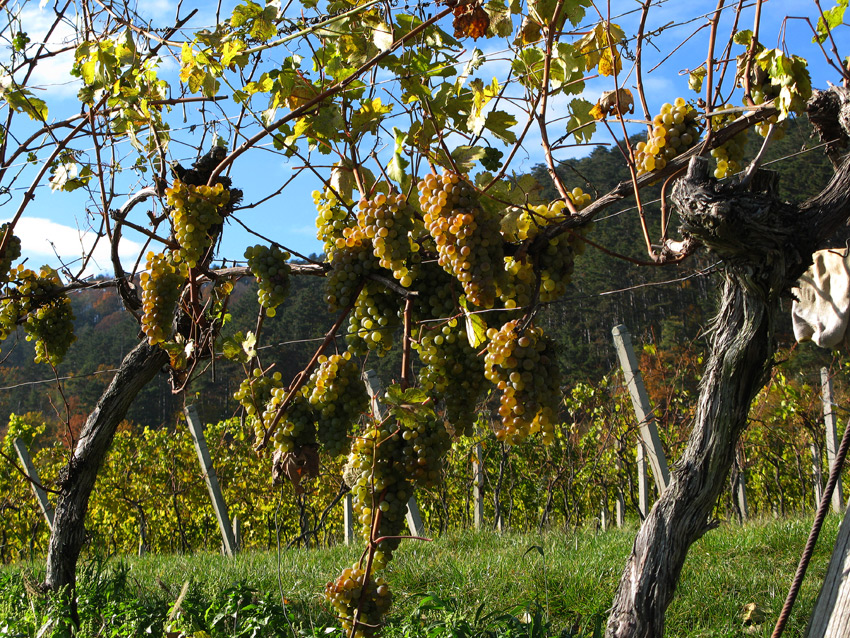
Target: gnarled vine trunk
77	480
765	246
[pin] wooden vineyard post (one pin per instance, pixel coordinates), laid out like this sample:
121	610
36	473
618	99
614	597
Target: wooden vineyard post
348	518
831	435
741	486
831	616
640	401
219	506
478	487
643	481
35	482
373	387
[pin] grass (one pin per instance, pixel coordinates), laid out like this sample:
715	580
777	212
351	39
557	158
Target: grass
567	579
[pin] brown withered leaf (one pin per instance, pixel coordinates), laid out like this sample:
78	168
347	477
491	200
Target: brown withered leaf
470	22
608	104
295	466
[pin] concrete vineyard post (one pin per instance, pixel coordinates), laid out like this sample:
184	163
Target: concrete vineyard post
35	482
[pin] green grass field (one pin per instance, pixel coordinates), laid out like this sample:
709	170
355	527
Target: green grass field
484	584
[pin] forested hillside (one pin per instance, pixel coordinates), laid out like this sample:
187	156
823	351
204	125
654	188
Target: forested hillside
663	305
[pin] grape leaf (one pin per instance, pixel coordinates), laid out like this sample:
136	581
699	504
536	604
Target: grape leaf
582	123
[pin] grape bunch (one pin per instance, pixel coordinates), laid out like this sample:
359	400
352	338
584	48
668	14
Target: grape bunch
373	320
349	265
424	441
674	131
49	316
162	282
466	236
297	427
728	156
554	262
451	371
378	488
195	211
525	370
332	218
338	398
269	267
255	392
388	221
352	591
13	253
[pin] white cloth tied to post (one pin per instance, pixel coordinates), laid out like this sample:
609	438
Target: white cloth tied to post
820	311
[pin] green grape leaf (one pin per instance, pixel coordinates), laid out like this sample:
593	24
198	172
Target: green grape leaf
239	347
476	329
501	24
581	124
395	396
743	37
528	66
695	79
398	163
499	124
464	157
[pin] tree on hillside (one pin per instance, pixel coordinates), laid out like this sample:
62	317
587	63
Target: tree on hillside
429	225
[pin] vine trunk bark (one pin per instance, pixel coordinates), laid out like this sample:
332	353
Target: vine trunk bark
765	245
78	478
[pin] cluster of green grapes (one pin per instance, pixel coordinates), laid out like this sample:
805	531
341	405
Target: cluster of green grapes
269	266
388	221
255	392
332	218
554	262
195	210
297	427
12	254
728	156
674	131
349	265
49	317
373	320
162	283
351	592
424	441
378	488
525	370
338	398
451	371
467	238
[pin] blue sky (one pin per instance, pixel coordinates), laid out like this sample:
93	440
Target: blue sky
57	224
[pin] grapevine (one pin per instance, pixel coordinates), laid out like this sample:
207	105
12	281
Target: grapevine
13	253
196	210
373	320
254	393
350	592
349	266
524	369
269	267
332	219
729	155
161	286
297	427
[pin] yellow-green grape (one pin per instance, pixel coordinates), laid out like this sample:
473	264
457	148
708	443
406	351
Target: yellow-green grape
338	398
349	266
297	427
9	314
728	156
195	210
467	237
674	131
13	253
388	221
162	282
332	218
525	370
254	393
269	266
49	317
373	321
351	592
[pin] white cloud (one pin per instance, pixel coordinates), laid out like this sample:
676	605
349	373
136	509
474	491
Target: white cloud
52	73
42	240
